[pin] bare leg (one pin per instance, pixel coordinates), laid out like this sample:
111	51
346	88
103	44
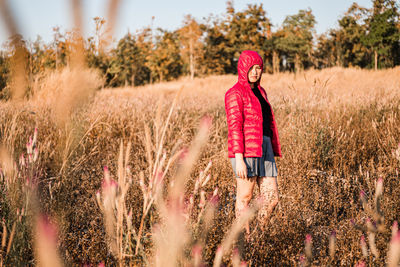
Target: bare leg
270	197
244	193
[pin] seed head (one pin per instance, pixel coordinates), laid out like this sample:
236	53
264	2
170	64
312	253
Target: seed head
35	136
22	160
206	122
362	194
394	251
35	154
302	260
395	228
370	225
363	246
206	180
236	257
202	199
47	229
379	187
197	249
332	244
308	247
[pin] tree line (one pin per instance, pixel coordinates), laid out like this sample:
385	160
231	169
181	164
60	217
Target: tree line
365	38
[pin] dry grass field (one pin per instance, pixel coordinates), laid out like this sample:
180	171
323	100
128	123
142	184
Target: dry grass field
338	178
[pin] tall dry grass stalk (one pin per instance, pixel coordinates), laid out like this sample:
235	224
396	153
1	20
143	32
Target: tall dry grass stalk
21	180
112	202
74	87
394	247
374	223
171	235
46	243
113	7
9	178
152	188
18	65
231	236
9	20
77	59
6	245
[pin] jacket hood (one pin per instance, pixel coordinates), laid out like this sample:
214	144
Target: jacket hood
248	59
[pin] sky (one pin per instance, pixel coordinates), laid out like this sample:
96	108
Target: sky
38	17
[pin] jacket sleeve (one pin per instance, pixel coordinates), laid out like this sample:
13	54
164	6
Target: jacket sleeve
234	115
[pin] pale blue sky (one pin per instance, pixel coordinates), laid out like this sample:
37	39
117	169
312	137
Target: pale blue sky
38	17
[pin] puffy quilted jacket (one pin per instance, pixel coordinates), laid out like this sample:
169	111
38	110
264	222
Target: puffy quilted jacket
244	114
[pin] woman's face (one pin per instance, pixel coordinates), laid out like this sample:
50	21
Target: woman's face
254	73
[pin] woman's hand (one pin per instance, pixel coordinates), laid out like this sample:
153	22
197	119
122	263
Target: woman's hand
241	168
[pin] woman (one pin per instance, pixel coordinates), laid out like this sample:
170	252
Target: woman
253	139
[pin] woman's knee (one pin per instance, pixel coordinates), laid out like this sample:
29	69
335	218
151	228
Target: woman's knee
244	197
274	202
244	190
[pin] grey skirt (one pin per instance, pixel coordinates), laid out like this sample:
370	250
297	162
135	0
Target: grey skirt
264	166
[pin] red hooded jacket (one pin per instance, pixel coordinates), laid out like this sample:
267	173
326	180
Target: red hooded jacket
244	114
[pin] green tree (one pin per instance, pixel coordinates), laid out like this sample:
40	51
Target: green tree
144	40
127	64
216	57
95	53
295	39
325	51
191	45
41	57
383	33
273	44
165	57
344	43
245	30
349	47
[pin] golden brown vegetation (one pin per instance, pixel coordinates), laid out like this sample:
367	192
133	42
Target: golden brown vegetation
339	130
